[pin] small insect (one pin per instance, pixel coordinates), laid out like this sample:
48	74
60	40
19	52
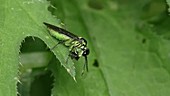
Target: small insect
77	45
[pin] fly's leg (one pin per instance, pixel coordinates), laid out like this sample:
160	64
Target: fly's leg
60	42
85	66
72	54
82	73
69	55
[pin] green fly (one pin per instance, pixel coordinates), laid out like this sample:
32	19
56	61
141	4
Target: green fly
77	45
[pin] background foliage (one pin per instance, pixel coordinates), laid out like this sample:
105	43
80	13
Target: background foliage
129	42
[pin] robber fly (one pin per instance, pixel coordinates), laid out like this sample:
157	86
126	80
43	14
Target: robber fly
77	45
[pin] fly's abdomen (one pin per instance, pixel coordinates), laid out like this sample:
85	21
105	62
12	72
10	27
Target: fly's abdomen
61	37
58	35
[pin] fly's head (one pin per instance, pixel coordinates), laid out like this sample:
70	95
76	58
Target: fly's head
86	52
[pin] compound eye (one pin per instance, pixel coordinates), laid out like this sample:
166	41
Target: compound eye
86	52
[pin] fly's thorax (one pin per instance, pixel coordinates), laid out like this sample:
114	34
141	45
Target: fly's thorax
83	51
79	50
82	41
79	46
76	43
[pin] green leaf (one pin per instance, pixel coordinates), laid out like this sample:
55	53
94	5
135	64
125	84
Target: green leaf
20	19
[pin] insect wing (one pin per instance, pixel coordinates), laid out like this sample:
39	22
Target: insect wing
61	31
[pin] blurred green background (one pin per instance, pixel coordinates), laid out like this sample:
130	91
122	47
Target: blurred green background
129	43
